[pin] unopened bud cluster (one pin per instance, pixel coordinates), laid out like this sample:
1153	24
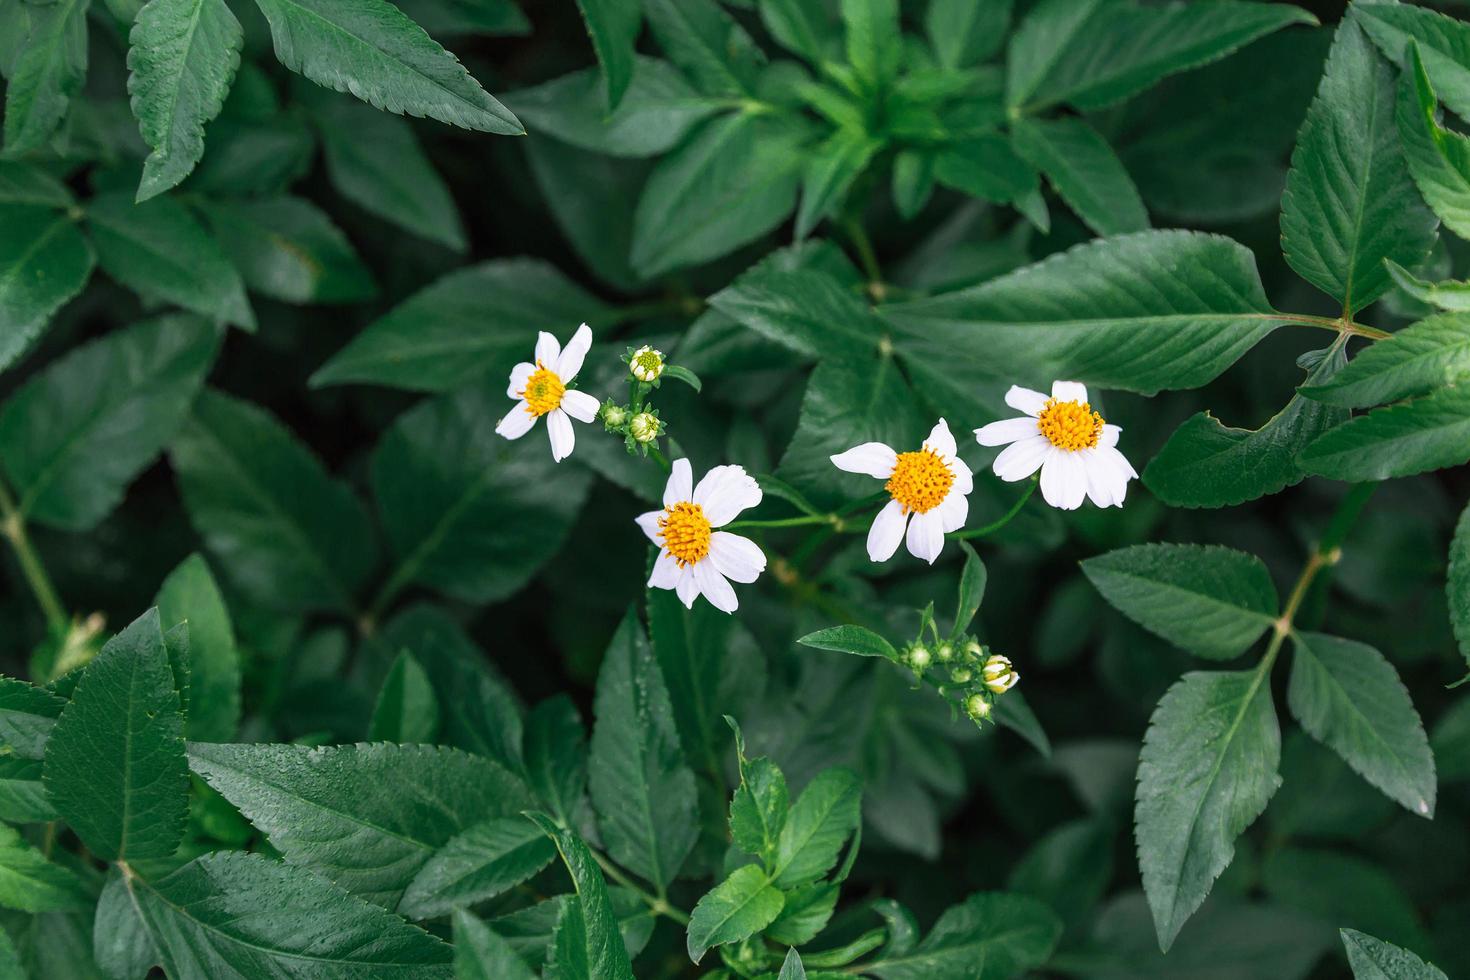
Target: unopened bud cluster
975	674
638	422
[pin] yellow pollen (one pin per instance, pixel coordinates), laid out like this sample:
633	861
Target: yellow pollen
685	531
1070	425
920	481
543	391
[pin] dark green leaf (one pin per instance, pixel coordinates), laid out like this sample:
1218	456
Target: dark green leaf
706	43
44	261
857	640
1374	959
47	71
964	33
1444	44
476	865
596	936
613	26
1451	294
1439	160
31	883
480	954
27	715
189	595
986	167
1457	586
740	906
800	26
1345	890
972	590
822	818
21	184
406	710
467	18
759	806
1414	361
830	171
1429	433
287	249
806	310
1084	171
989	936
556	757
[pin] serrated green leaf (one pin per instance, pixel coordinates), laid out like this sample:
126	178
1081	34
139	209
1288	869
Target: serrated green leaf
987	167
1212	601
805	310
613	26
45	260
476	865
236	915
596	937
158	250
641	786
466	512
791	967
372	50
1084	171
1451	294
1428	433
556	757
807	912
473	323
79	432
759	805
830	171
989	936
1374	959
190	595
309	802
406	710
31	883
22	795
964	33
857	640
287	534
1439	160
1208	767
1207	464
1443	41
531	930
287	249
822	818
480	954
1143	312
121	944
740	906
182	57
27	715
115	767
707	44
1350	202
1414	361
972	590
1348	697
47	71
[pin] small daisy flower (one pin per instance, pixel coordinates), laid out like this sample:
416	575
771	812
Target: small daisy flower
1076	451
696	559
646	363
928	487
541	389
998	674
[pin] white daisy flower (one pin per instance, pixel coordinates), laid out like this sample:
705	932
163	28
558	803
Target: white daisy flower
1076	451
694	558
929	486
541	389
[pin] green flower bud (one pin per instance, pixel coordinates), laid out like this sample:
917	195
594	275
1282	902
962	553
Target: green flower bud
614	416
998	674
944	653
977	706
961	675
645	427
974	650
919	657
646	363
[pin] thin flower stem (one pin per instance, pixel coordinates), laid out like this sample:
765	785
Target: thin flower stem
866	256
656	904
784	522
13	528
996	525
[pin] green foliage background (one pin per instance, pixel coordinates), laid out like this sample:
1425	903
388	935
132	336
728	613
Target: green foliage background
311	674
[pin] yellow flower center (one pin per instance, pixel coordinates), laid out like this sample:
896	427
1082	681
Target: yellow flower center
1070	425
920	481
685	531
543	391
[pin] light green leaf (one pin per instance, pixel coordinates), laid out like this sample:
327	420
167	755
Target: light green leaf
1084	171
1374	959
1452	294
858	640
740	906
1143	312
531	930
1439	160
31	883
830	171
115	767
596	936
1414	361
287	249
805	310
45	260
758	808
473	323
791	967
707	44
1349	698
27	715
406	711
1207	464
800	26
613	26
807	912
190	595
1443	41
874	42
47	71
1208	767
80	431
476	865
989	936
822	818
182	57
372	50
287	534
641	786
480	954
963	32
1429	433
972	590
734	180
466	512
236	915
309	802
913	181
1212	601
1350	202
987	167
158	250
556	757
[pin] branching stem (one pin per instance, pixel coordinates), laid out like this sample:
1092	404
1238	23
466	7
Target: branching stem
13	529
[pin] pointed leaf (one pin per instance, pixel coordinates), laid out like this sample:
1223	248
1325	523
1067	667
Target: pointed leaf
31	883
190	595
596	937
406	710
989	936
740	906
45	260
613	26
476	865
287	249
556	757
1374	959
1085	172
1414	361
825	814
480	954
47	71
1428	433
857	640
1439	160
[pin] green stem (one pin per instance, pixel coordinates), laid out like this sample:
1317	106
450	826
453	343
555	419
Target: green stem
1343	325
784	522
658	905
13	528
996	525
866	256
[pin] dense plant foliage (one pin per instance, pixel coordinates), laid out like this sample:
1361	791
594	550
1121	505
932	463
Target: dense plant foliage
599	530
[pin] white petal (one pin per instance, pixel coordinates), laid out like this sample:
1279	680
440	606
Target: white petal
517	422
737	558
665	572
681	484
1020	459
559	427
580	405
1025	400
547	350
719	592
1069	391
649	524
1007	431
926	536
1109	437
871	459
887	531
724	492
953	512
1063	480
1120	461
964	480
519	375
570	361
941	439
686	588
1102	479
